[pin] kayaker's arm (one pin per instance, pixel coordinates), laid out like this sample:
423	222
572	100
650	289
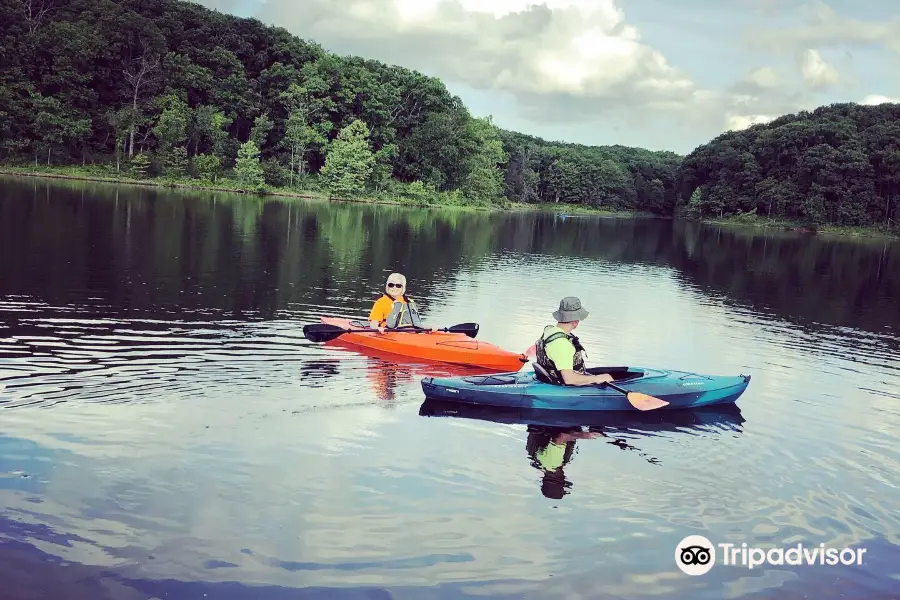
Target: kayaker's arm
571	377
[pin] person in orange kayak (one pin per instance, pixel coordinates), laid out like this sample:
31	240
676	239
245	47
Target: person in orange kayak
560	353
395	309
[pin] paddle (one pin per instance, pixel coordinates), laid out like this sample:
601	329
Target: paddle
321	332
639	400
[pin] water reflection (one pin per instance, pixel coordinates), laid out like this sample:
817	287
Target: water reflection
386	372
151	347
181	254
553	435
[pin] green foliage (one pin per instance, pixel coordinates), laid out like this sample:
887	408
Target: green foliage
209	129
275	173
207	166
485	179
176	163
140	166
300	137
259	134
837	165
383	168
247	169
418	191
609	177
58	125
350	161
171	129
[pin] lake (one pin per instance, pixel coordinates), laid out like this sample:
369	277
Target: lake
168	432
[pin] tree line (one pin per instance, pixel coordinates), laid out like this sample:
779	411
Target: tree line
169	88
838	164
164	87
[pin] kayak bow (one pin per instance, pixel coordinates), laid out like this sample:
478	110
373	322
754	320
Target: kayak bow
455	348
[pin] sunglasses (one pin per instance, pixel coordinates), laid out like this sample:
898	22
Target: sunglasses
395	285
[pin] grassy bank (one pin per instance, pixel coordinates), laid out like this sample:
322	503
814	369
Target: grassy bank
757	222
398	194
105	174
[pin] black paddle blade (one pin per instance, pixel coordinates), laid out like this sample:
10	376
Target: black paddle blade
320	332
470	329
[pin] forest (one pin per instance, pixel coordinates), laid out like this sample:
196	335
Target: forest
836	165
165	88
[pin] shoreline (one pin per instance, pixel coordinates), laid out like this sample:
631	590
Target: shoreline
787	226
151	183
567	209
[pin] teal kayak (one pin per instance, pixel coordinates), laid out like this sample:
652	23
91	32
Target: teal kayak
529	390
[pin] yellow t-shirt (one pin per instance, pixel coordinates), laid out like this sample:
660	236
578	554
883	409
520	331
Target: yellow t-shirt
382	308
561	350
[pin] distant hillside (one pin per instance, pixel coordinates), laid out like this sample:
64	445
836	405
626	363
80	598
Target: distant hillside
836	165
163	87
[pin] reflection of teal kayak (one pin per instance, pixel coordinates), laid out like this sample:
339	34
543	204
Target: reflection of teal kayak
720	417
526	390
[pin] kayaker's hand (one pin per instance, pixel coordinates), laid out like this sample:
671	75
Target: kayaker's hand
381	330
434	330
606	377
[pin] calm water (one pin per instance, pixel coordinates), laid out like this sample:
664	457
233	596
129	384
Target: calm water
167	431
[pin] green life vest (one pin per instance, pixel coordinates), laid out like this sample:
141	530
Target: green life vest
544	361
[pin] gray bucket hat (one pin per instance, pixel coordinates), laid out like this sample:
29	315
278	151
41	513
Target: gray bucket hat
570	309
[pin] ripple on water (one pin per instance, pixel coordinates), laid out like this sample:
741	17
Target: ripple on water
162	432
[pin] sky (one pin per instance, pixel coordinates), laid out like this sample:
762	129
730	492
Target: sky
659	74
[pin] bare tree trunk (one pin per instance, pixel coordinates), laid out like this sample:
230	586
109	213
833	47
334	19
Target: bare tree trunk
136	77
35	11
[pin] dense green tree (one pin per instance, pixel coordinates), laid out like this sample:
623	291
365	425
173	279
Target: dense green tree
207	166
350	160
485	179
247	168
259	134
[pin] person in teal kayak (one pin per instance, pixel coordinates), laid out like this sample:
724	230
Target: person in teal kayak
395	309
560	353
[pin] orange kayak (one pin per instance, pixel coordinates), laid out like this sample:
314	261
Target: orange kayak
440	346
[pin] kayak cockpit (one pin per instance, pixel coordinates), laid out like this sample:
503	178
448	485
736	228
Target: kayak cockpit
618	373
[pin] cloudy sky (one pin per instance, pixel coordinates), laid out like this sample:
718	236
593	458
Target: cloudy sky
662	74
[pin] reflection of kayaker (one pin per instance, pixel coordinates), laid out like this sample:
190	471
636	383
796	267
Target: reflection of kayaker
552	448
395	309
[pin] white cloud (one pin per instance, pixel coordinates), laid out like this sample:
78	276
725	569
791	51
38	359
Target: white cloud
577	49
566	62
825	27
817	73
764	78
875	99
738	122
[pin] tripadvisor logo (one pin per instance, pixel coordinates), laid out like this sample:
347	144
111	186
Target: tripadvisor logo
696	555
